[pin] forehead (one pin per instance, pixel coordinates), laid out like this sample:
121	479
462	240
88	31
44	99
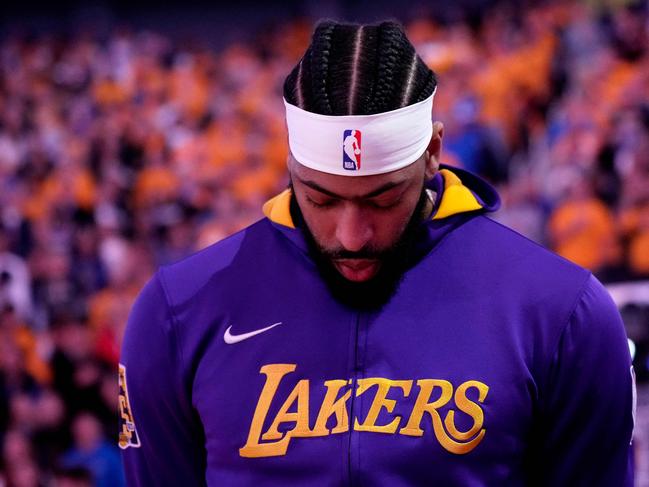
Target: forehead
355	186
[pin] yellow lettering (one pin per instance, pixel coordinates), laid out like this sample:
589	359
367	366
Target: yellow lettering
413	428
330	406
253	449
380	401
468	407
299	395
295	409
426	386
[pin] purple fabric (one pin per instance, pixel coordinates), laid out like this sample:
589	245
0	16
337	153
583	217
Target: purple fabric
483	304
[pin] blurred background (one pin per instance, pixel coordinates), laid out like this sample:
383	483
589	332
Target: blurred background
134	135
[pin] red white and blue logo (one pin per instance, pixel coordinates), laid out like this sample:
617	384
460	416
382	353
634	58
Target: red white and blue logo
352	150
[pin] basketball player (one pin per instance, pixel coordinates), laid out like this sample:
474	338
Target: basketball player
376	327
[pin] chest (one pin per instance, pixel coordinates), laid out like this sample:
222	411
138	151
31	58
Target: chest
423	391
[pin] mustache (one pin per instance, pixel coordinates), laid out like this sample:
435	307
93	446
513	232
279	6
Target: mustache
368	253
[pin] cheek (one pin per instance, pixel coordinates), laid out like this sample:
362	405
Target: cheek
389	226
321	224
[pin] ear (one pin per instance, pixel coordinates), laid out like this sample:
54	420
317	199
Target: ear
434	150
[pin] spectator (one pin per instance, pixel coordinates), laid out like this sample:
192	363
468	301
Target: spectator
92	452
18	461
15	280
582	229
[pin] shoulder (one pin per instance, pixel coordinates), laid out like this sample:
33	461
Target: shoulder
494	245
490	262
596	316
185	278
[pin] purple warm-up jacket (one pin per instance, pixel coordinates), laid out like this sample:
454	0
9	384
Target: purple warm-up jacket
495	363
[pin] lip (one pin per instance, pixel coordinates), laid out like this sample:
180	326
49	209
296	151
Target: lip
357	270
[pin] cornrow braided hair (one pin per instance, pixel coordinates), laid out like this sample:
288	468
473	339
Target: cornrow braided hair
353	69
320	66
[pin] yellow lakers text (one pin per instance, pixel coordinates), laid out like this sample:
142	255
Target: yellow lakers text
295	409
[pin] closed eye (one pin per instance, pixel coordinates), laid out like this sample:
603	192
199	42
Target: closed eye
328	203
382	205
386	201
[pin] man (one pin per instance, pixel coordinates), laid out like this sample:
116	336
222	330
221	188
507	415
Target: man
376	327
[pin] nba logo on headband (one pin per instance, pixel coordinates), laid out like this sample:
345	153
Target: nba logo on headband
352	150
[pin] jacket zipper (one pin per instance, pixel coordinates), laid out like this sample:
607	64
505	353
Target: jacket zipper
356	372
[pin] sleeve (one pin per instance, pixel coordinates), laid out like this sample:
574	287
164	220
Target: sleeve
584	436
160	435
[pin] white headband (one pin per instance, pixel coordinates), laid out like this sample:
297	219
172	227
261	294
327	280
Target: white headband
360	145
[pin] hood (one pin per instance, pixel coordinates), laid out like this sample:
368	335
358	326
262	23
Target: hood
458	192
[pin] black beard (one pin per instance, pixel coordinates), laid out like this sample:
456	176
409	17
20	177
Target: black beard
373	294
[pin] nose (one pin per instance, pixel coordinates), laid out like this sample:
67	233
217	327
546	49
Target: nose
353	229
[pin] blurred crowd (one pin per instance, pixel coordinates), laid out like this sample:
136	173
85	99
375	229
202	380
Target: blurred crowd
124	153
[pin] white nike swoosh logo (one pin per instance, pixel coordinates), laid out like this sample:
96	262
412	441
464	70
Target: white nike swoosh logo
229	338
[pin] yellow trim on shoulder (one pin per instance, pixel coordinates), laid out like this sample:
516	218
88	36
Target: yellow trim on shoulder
278	209
456	198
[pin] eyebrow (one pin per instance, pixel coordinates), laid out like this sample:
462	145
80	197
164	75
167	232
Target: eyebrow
376	192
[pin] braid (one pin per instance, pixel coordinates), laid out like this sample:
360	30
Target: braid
291	86
352	69
320	49
391	37
427	86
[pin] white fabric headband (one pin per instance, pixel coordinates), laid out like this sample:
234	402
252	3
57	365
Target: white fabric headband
360	145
